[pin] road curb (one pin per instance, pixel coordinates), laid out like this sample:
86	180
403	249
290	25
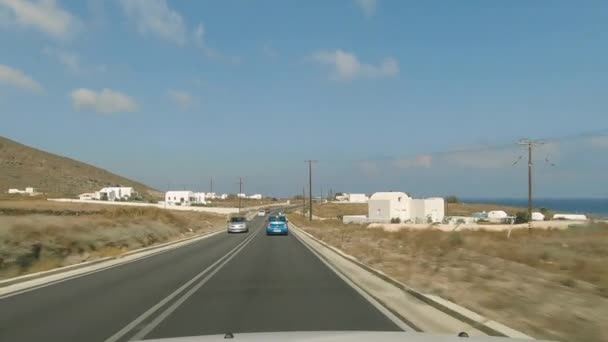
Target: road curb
467	316
37	275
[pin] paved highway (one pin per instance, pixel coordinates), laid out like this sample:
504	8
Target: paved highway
225	283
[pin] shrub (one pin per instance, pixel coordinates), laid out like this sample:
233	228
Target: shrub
452	199
522	217
395	220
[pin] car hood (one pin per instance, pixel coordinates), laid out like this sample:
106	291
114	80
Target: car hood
339	336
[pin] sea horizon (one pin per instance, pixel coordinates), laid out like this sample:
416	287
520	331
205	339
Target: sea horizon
590	206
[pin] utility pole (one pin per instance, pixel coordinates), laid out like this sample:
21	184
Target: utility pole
530	144
211	185
310	188
303	201
240	192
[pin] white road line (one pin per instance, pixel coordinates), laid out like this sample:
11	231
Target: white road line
148	328
125	330
359	290
101	267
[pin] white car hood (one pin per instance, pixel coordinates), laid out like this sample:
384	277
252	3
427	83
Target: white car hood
338	336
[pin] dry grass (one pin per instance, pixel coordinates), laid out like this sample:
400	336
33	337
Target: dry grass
466	209
336	210
551	284
36	242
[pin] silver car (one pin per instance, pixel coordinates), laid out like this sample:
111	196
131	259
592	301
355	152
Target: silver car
237	224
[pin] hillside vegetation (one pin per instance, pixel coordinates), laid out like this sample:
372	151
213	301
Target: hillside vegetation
22	166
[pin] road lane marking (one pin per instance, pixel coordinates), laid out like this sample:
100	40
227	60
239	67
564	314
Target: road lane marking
359	290
129	327
148	328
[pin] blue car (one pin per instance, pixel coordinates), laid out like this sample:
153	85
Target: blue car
277	225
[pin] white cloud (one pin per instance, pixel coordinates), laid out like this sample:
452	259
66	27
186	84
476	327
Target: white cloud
347	67
367	6
599	141
105	101
17	78
422	161
181	98
156	18
269	51
368	168
199	35
43	15
72	62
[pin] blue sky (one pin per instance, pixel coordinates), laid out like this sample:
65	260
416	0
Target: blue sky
175	92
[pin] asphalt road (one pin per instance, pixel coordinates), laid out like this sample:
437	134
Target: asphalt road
226	283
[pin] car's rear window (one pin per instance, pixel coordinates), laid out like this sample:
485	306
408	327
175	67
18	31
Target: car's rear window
277	219
237	219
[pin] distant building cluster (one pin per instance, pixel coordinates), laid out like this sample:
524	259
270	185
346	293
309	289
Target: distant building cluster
352	198
29	191
398	207
189	198
113	193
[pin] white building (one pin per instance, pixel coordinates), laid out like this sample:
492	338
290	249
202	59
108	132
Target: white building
223	196
181	197
28	191
114	193
241	195
211	195
256	197
200	198
570	217
384	206
497	216
536	216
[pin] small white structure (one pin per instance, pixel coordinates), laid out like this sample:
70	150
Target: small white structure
255	196
342	198
537	216
570	217
114	193
384	206
360	219
454	220
223	196
181	197
241	195
211	195
497	216
434	209
28	191
199	198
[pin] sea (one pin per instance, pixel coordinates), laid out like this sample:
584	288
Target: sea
597	207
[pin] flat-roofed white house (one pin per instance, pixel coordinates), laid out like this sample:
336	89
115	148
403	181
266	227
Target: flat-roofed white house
180	197
358	198
255	196
200	198
114	193
570	217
